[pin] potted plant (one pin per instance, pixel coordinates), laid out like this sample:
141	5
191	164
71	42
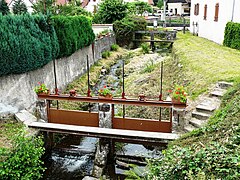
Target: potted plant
105	92
41	89
179	95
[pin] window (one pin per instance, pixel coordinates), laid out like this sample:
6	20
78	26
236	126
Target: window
216	12
196	9
205	12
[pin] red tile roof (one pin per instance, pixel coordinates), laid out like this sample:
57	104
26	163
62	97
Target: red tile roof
85	3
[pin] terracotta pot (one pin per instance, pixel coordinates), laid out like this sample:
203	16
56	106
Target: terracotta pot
141	97
108	96
43	94
176	101
72	93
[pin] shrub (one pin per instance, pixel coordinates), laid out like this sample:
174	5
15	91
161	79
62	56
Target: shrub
125	28
145	48
23	161
27	43
106	54
114	47
232	35
73	32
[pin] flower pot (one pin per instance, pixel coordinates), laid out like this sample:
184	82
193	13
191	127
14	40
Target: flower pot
177	101
141	97
43	94
73	93
108	96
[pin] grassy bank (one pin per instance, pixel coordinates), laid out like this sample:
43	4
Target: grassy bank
20	153
211	152
204	62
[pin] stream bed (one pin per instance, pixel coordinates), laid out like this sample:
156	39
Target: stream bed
73	157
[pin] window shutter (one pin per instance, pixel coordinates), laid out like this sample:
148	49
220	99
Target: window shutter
216	12
205	12
197	9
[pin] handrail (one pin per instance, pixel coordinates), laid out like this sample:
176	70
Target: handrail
124	101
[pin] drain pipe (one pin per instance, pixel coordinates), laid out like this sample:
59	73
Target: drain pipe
233	10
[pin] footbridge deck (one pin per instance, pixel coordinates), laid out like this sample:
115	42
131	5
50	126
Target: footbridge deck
115	134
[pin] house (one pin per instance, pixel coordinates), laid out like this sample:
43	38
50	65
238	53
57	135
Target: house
179	7
209	18
29	3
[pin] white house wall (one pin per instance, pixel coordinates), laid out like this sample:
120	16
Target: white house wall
236	17
173	6
209	28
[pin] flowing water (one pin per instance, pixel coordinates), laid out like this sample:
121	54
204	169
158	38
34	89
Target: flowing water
73	157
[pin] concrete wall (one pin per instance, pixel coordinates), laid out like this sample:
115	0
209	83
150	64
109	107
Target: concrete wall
209	28
17	90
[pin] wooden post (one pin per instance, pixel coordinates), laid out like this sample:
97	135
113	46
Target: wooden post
184	25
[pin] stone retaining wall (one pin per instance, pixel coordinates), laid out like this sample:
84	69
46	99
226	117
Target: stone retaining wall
17	90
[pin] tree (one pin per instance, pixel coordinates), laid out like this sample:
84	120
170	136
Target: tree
160	4
72	10
109	11
139	7
44	7
4	9
19	7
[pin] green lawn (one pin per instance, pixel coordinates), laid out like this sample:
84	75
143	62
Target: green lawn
205	62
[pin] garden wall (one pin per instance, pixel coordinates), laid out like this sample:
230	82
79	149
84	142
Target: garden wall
17	90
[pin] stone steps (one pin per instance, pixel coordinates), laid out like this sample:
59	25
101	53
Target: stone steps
207	107
189	128
200	115
197	123
224	85
217	92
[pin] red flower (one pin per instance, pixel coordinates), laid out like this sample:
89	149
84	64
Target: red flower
177	92
104	86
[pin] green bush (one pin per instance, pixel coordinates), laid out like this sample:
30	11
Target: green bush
106	54
232	35
23	161
114	47
27	43
73	32
125	28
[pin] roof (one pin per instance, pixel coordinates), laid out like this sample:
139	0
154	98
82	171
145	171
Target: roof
85	3
176	1
150	2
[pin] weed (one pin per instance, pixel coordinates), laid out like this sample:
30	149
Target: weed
114	47
145	48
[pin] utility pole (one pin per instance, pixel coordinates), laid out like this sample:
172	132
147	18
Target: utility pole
164	13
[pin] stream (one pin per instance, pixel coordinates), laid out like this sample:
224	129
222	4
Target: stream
73	157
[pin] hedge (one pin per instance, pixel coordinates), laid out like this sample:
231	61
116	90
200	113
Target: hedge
27	43
232	35
74	32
